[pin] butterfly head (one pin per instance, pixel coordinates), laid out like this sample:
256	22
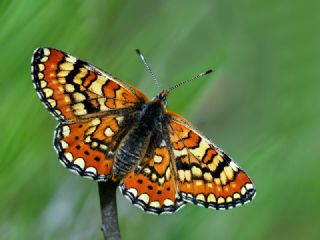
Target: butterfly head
162	97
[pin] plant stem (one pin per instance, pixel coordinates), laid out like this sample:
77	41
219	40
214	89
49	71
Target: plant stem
109	215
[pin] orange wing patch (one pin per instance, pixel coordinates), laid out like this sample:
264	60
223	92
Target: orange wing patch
72	89
152	186
206	175
88	148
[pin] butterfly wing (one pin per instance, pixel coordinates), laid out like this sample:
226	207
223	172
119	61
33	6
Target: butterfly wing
72	89
152	186
87	148
206	175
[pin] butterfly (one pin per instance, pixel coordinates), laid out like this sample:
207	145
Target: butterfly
109	131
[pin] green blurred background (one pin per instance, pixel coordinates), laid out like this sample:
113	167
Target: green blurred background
261	106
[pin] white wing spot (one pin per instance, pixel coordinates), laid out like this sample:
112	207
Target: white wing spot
65	131
59	113
181	175
200	197
91	169
221	200
103	147
79	109
153	177
168	173
187	175
236	195
133	191
144	197
62	80
243	191
168	202
91	130
108	132
157	159
64	145
71	59
155	204
40	75
223	178
43	84
229	172
48	92
44	59
68	156
234	166
211	198
161	181
208	177
62	74
41	67
217	181
52	102
249	186
80	162
67	66
87	139
79	96
196	171
95	122
69	88
46	51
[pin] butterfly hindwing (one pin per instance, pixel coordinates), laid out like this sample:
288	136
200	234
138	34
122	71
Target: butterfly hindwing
153	186
206	175
72	89
88	147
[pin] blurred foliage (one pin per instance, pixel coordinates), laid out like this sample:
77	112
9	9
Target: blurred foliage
261	105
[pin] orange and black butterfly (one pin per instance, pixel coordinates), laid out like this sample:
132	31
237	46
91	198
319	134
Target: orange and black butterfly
109	130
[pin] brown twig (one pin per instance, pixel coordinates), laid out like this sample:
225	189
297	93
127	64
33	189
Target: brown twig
108	204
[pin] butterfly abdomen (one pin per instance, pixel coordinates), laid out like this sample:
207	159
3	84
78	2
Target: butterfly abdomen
133	147
131	151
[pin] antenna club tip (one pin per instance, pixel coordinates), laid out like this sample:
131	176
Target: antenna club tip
209	71
138	51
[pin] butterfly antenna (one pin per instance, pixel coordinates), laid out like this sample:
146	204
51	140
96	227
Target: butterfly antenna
189	80
148	68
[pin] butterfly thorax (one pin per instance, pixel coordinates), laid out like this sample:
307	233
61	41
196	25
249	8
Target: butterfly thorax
143	132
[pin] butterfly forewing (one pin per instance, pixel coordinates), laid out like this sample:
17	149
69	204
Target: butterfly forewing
72	89
206	175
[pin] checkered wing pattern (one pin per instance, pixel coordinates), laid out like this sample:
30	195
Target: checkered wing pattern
74	90
88	148
206	175
152	186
